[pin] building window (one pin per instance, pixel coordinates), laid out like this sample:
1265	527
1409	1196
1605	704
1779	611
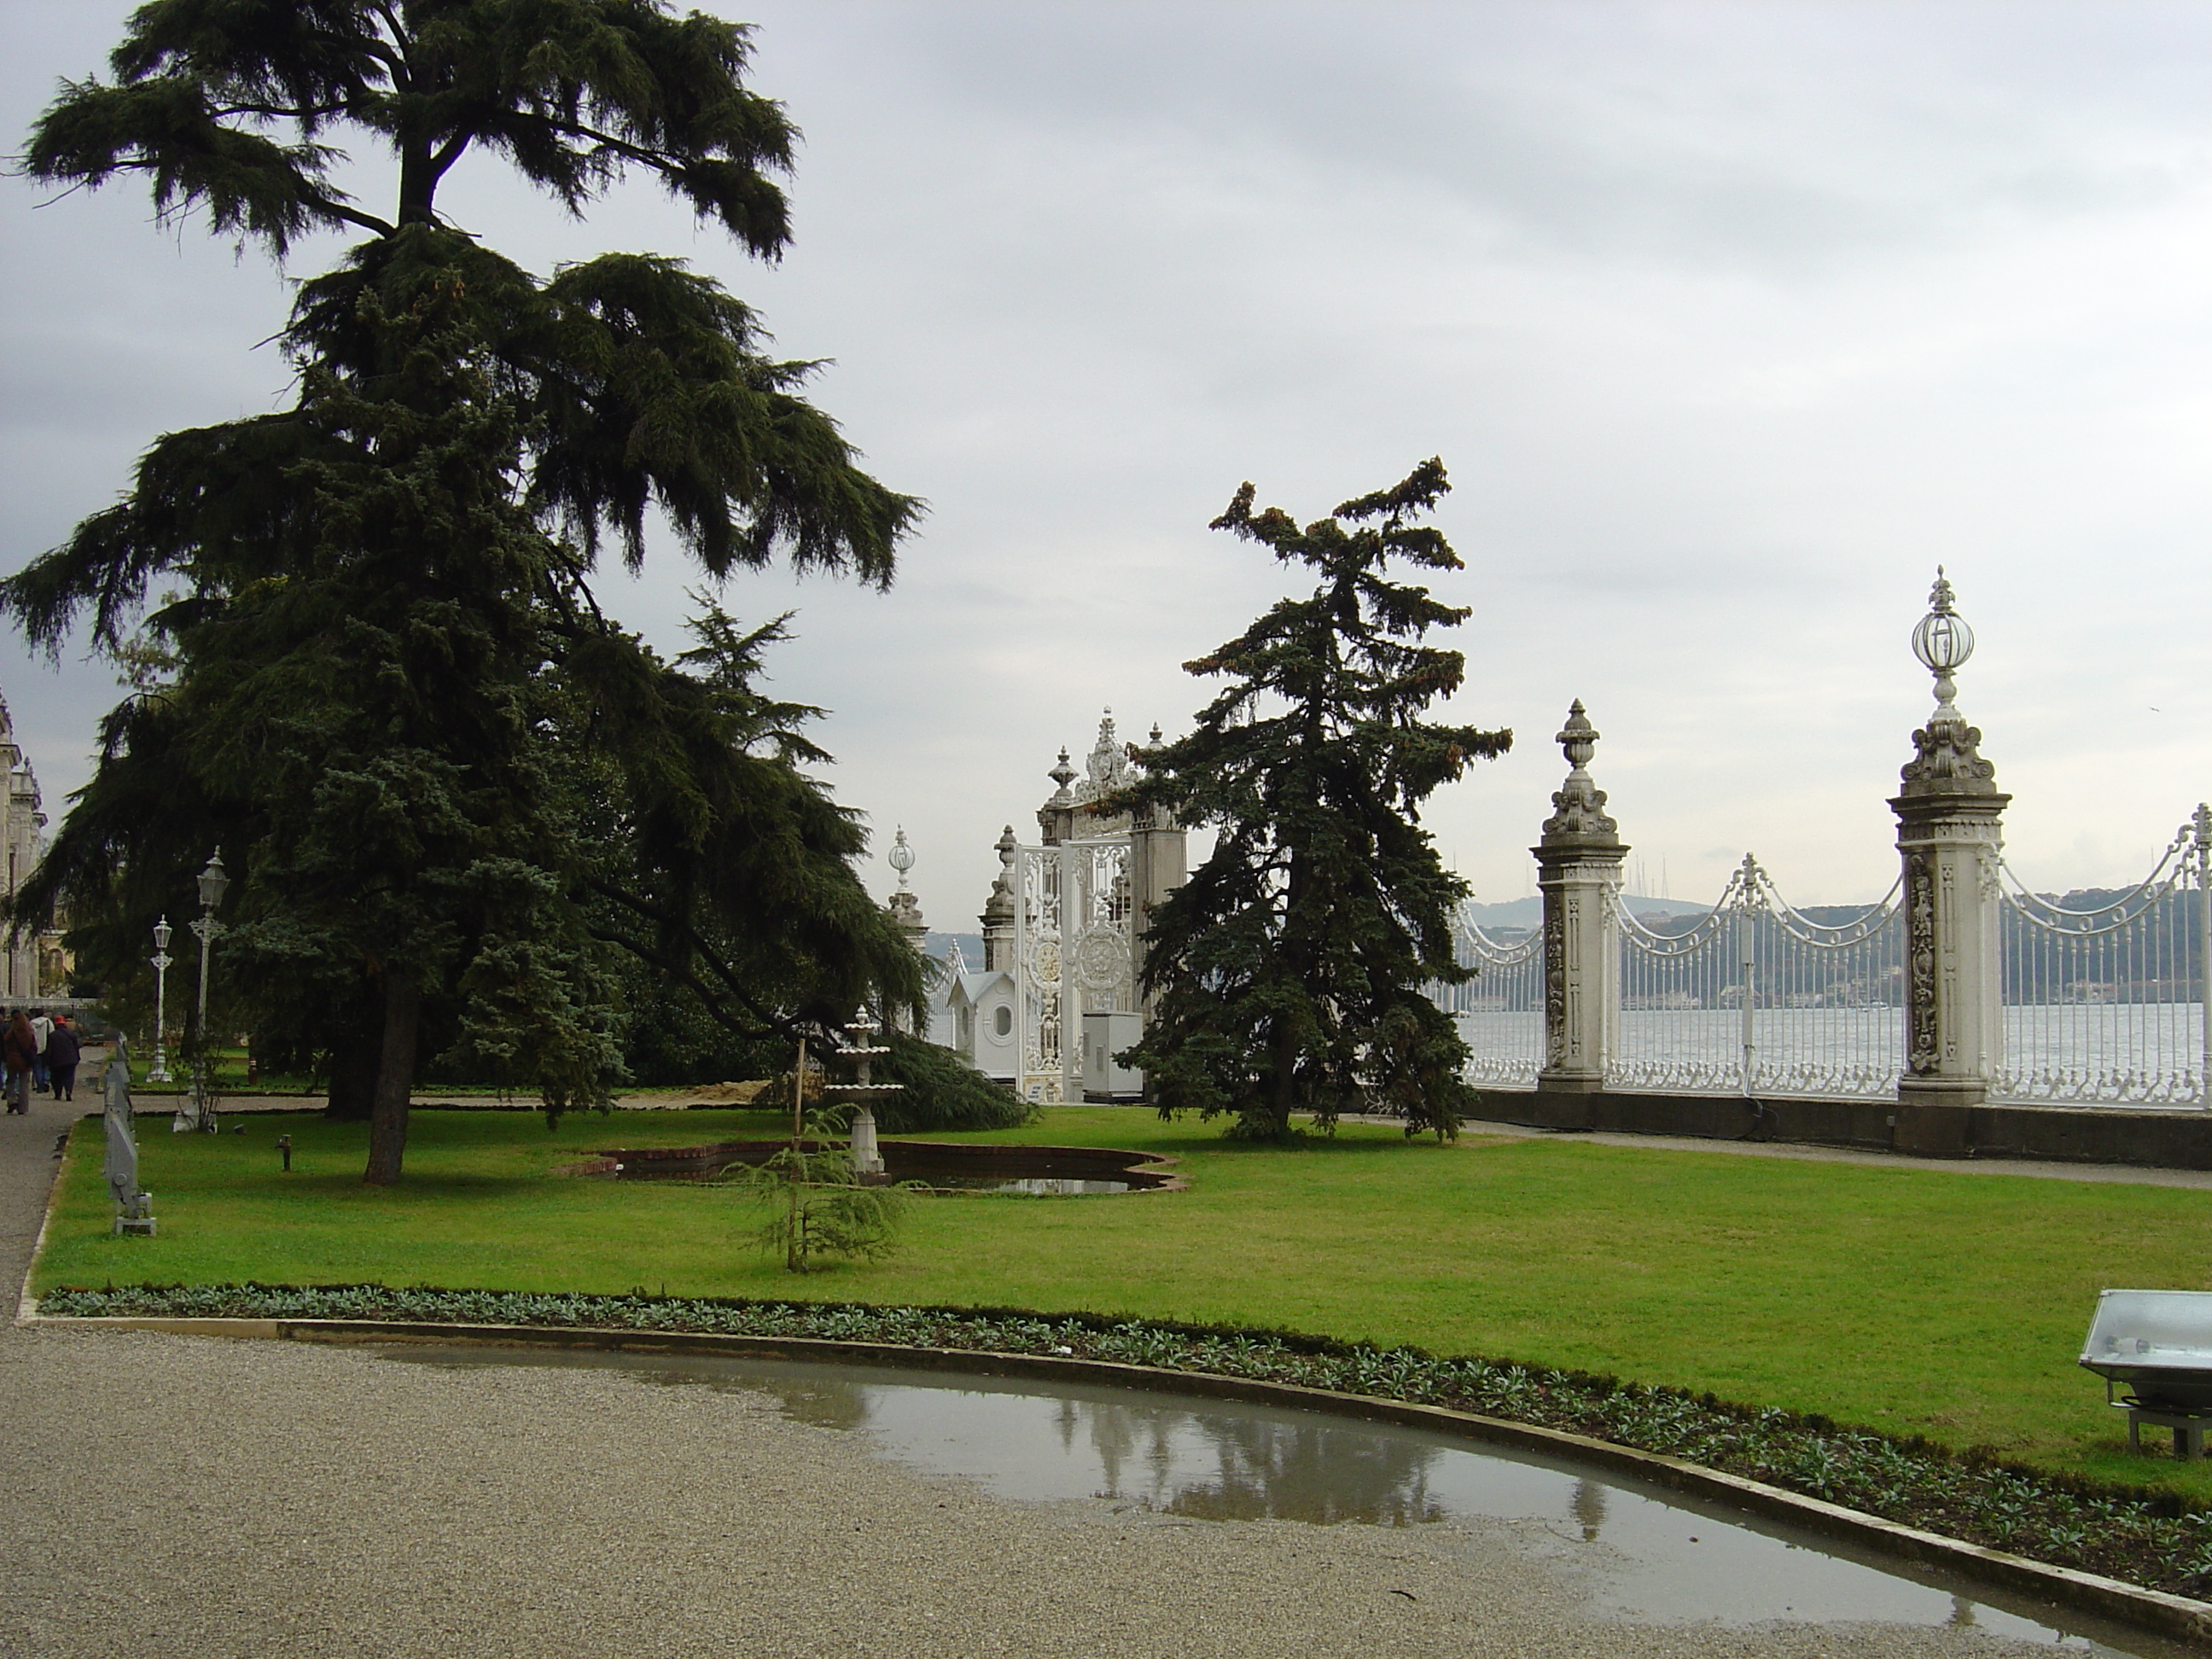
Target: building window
1002	1021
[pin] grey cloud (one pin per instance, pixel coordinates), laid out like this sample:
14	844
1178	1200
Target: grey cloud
1730	321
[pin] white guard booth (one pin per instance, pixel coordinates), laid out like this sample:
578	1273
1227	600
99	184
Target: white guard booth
985	1021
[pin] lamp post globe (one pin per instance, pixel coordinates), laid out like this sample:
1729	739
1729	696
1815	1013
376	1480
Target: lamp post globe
1942	642
213	882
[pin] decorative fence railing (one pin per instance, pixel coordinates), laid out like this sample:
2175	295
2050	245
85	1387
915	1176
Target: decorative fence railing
1958	986
1500	1012
1677	990
2105	999
1758	996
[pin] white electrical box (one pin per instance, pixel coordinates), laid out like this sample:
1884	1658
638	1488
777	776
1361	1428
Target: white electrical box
1105	1035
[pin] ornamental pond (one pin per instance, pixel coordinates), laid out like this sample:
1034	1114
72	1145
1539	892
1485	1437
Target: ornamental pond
1648	1556
942	1166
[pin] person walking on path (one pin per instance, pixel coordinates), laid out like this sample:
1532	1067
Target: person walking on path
41	1029
20	1049
63	1052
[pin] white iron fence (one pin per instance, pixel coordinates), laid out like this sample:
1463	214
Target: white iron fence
2104	994
1500	1012
1759	996
2104	997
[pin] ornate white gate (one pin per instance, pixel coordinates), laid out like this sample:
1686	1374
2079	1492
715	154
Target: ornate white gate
1074	952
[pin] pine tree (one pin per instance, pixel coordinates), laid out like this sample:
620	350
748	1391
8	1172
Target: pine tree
1286	975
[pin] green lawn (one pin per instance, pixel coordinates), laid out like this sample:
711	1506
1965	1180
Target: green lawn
1909	1297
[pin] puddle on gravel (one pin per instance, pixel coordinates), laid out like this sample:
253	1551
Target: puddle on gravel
1658	1558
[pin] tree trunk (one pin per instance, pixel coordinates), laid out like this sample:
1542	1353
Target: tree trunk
395	1078
1282	1045
356	1051
1284	1049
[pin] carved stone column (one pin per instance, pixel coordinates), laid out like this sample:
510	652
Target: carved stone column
1949	835
1578	872
998	916
905	916
1159	860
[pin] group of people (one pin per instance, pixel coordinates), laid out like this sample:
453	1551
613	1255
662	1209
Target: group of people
41	1055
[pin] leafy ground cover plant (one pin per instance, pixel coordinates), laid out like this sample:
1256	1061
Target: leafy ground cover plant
2162	1540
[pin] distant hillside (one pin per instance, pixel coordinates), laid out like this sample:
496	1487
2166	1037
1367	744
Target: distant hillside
971	946
1529	912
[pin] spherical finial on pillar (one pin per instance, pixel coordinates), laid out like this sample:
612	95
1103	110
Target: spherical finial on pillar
905	907
1942	642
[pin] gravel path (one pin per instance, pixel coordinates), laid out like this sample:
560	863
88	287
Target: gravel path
191	1496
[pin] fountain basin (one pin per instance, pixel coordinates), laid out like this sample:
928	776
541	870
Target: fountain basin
942	1166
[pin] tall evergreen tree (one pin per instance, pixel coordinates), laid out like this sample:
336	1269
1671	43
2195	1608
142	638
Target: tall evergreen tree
382	652
1286	974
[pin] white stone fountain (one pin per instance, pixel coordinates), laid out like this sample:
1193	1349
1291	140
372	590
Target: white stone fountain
863	1051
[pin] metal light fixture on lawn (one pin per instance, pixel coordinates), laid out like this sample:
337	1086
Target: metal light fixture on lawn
161	962
212	882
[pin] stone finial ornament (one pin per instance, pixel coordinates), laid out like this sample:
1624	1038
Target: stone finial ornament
1062	774
1579	805
905	907
1946	758
999	908
1103	768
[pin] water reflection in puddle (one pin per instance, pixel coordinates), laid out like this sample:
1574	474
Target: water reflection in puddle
1656	1559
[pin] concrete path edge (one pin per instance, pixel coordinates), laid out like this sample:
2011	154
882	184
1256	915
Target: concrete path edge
2155	1611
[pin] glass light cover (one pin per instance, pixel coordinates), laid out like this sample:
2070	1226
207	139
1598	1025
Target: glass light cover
213	884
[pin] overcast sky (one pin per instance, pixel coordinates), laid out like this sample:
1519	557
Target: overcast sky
1730	321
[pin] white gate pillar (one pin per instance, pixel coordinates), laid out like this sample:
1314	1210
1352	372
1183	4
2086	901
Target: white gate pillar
1158	864
1949	835
1578	872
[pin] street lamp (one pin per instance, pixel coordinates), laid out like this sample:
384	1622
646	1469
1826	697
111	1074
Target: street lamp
159	1070
212	884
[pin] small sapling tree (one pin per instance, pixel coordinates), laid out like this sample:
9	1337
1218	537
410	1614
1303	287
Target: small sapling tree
816	1204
